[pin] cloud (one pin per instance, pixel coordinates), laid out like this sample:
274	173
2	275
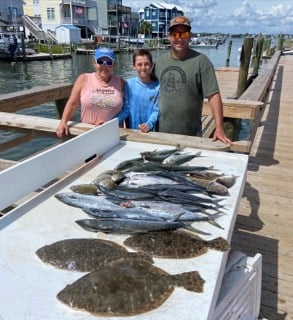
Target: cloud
233	16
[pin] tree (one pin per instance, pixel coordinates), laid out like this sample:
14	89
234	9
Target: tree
145	28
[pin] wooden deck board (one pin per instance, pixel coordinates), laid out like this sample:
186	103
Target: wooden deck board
265	220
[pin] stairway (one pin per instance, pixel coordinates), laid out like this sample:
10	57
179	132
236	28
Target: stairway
36	31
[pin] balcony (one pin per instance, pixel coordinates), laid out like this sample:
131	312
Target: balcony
120	9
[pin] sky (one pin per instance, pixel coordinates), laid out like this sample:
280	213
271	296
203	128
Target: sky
232	16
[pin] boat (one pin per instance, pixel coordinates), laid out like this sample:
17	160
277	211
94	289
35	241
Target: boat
133	41
42	219
287	52
5	42
206	43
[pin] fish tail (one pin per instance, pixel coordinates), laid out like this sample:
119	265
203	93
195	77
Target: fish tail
214	223
194	230
191	281
219	244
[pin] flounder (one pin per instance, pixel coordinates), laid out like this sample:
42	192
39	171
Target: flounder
170	244
84	254
125	288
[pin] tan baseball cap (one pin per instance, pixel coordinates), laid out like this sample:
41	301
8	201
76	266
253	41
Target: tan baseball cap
180	20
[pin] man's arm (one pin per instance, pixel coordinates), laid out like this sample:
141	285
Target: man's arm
216	105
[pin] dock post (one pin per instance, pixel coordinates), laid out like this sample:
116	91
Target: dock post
60	105
281	42
258	55
230	124
244	65
23	46
228	53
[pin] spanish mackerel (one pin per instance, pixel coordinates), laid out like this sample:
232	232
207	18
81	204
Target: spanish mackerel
130	226
86	201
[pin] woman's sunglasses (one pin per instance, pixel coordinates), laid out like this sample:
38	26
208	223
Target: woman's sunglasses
177	35
107	63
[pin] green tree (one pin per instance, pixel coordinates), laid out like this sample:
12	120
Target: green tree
145	28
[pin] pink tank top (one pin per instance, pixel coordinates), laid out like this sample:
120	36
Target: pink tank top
100	102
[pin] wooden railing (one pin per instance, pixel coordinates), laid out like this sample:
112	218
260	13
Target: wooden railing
249	106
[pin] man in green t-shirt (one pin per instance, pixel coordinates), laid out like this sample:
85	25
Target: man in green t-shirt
187	77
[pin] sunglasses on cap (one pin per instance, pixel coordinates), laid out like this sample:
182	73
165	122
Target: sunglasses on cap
177	35
107	63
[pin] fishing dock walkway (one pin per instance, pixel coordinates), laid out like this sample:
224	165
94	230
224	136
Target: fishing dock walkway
265	220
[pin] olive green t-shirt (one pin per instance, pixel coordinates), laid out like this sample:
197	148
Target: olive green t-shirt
184	83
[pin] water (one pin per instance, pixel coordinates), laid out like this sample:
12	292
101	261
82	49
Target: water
21	76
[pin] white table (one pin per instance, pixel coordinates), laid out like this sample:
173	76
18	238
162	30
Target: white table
29	287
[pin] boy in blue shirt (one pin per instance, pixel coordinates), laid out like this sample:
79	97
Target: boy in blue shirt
141	94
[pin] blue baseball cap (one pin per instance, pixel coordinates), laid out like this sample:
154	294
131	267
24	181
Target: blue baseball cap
104	52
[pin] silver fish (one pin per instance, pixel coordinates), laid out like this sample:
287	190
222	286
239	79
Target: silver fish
162	152
127	194
181	157
123	213
172	211
86	201
143	179
126	164
130	226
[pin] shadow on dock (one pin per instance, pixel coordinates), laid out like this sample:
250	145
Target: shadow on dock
247	235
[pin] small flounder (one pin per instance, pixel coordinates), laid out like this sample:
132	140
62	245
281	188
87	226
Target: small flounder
178	245
84	254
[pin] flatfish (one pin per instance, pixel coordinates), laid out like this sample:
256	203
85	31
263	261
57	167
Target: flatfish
178	245
126	288
84	254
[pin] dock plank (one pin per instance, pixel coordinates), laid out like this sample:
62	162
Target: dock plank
264	223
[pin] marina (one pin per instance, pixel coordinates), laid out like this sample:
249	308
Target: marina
263	221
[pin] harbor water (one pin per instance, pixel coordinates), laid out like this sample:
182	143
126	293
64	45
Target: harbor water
20	76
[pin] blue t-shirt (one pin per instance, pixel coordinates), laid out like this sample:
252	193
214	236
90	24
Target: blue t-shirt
141	99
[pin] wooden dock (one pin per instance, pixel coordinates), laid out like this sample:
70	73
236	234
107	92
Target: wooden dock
265	221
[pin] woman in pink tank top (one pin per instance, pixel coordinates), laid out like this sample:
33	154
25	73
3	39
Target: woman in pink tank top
100	94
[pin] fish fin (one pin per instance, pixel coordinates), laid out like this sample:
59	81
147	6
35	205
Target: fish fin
219	243
191	281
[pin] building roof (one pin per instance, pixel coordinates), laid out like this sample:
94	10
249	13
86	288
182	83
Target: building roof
68	26
163	5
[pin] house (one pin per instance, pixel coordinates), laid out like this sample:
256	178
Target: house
159	16
10	14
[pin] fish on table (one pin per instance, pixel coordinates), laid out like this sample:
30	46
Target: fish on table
126	288
174	244
85	254
131	226
83	201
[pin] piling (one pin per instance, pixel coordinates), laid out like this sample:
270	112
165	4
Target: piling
228	53
258	55
244	65
281	42
231	125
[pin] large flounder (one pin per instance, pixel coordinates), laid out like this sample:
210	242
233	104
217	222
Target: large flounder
85	254
125	288
172	244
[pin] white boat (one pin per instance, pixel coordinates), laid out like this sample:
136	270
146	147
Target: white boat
204	43
287	52
29	287
134	41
